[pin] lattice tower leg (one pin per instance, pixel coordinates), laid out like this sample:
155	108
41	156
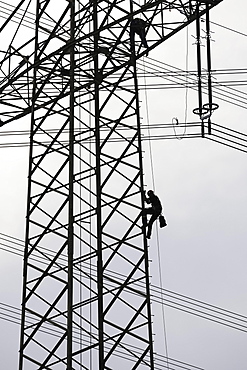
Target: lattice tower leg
86	299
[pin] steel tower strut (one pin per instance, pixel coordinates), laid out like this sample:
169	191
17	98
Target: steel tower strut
85	187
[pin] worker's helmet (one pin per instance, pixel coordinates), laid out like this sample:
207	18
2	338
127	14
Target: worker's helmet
150	192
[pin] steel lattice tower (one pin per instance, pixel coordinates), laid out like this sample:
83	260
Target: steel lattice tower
86	298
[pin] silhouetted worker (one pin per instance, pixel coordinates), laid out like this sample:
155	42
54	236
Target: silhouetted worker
137	26
155	210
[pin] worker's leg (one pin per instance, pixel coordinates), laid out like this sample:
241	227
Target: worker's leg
146	211
150	225
132	40
154	217
143	38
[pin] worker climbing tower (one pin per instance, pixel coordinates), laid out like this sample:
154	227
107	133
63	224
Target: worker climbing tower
86	298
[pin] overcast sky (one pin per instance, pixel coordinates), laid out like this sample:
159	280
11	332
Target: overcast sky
202	185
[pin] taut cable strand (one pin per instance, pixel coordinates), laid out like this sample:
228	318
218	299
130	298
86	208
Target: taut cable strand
157	235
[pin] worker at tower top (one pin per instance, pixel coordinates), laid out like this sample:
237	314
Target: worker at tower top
155	211
137	26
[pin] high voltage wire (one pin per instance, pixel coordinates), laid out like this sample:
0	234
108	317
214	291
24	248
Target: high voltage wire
220	134
180	302
229	29
145	136
153	68
177	79
6	9
176	76
184	302
222	90
169	298
12	314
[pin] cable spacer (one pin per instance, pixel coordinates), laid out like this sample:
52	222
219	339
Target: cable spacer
200	111
211	106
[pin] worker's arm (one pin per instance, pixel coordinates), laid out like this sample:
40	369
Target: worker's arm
147	200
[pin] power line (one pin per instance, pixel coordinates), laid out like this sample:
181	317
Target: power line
12	314
8	10
159	295
229	29
153	184
176	76
223	135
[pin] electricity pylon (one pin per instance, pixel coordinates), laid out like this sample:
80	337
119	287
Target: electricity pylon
86	298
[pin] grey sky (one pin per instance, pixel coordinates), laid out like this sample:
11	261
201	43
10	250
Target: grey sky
202	185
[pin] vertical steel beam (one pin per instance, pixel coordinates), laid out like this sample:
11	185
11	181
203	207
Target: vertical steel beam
199	65
97	81
71	189
25	259
210	105
39	303
142	186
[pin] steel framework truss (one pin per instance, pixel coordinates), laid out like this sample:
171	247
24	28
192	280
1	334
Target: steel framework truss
77	74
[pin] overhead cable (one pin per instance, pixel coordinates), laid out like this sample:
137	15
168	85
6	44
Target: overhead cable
158	295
